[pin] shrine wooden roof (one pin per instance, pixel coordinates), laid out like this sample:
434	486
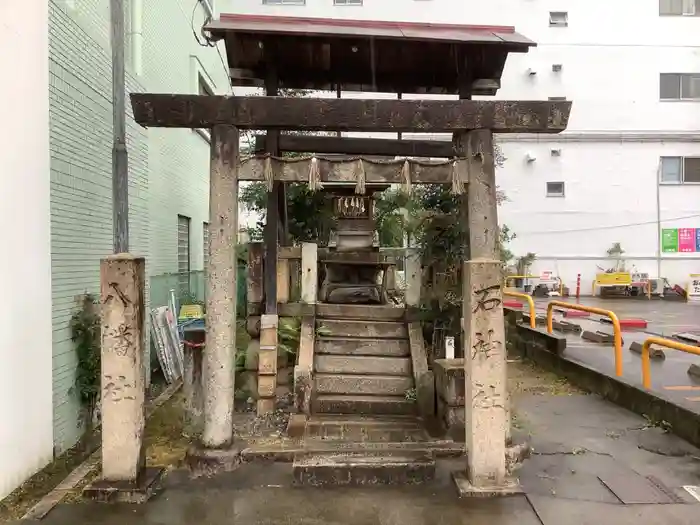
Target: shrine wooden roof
398	57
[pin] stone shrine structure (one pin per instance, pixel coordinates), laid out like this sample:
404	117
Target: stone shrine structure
373	362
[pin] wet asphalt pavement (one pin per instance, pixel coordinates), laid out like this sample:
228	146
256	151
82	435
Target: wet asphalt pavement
593	463
664	319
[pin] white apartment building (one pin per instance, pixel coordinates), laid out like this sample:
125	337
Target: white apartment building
628	167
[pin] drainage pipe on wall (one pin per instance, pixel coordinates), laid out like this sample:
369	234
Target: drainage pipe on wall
658	222
136	36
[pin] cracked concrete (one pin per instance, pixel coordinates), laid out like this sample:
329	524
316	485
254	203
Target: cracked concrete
586	434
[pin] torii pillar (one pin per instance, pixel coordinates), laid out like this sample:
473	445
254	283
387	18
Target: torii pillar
486	403
217	451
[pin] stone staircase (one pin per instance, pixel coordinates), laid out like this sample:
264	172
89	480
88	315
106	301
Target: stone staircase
364	428
362	362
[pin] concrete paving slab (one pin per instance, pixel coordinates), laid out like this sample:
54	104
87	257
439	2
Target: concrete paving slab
594	437
553	511
631	488
568	476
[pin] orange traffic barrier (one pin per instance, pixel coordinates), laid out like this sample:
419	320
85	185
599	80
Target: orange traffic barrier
530	302
666	343
581	308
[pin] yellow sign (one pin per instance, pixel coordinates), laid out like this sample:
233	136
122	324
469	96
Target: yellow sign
616	278
191	311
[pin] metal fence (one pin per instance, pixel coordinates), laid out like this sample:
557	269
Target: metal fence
190	288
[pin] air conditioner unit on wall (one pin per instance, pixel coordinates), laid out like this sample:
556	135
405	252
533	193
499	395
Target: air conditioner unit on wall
555	152
557	67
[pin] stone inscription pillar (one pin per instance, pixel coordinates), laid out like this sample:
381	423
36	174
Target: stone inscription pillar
220	351
309	273
413	277
122	281
486	416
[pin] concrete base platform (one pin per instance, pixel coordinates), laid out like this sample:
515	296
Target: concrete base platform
355	468
288	453
598	337
354	428
654	352
140	491
204	461
694	372
466	490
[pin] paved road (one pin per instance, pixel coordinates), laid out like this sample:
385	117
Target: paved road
669	376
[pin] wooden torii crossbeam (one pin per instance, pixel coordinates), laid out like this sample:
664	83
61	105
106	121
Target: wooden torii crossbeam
359	146
314	114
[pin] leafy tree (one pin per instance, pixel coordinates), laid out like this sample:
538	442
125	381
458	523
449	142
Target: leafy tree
309	214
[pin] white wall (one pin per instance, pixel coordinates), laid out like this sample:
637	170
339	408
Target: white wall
178	159
610	197
26	437
168	169
80	110
611	55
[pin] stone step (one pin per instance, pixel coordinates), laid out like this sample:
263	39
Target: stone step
382	385
359	404
362	346
364	365
361	328
360	311
366	468
351	428
439	448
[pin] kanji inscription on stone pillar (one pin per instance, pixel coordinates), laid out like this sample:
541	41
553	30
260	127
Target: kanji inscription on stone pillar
123	377
485	374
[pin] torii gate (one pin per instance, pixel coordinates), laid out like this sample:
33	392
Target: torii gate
296	53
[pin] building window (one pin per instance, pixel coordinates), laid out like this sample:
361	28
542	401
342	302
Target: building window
205	242
555	189
284	2
679	7
347	2
680	170
558	19
183	254
679	86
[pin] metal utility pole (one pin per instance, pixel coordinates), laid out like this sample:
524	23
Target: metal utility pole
120	160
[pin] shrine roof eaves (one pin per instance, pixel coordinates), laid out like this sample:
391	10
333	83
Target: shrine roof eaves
365	55
458	33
